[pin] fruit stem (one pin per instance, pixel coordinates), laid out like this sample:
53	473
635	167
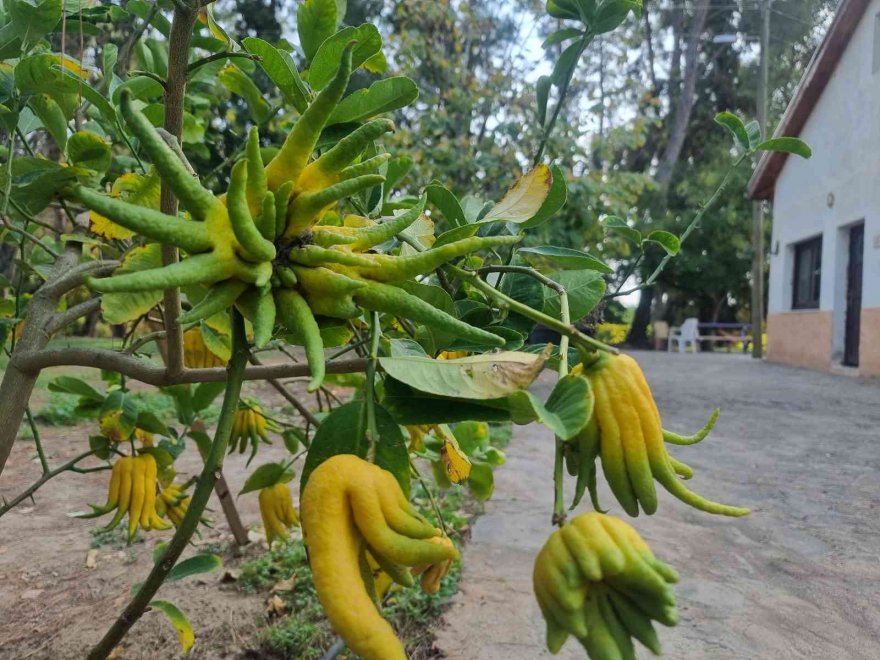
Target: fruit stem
369	398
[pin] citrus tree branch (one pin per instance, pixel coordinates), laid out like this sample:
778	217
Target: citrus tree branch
175	90
132	367
694	224
205	485
565	329
46	476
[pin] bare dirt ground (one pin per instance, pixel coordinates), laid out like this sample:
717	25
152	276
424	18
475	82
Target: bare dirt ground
796	579
53	606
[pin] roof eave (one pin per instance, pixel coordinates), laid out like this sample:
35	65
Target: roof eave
849	12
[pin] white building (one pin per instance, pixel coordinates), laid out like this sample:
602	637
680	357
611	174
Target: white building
824	288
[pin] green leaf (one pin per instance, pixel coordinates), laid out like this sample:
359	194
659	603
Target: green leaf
566	63
753	128
480	377
181	395
123	307
611	13
437	297
293	438
73	385
219	344
550	258
542	91
561	35
238	82
109	56
737	128
148	421
315	22
266	475
163	457
447	202
585	289
178	619
481	481
204	563
100	445
669	241
31	20
555	200
409	406
471	436
326	60
566	412
38	74
51	116
281	71
344	431
620	226
788	145
397	169
382	96
564	9
205	394
89	150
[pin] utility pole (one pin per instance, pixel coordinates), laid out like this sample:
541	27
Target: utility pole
758	206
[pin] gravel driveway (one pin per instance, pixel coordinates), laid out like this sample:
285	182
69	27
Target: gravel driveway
799	578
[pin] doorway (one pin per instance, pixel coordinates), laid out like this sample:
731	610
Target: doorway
854	296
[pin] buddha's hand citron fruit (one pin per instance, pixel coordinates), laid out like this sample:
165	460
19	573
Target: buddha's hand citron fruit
276	509
627	435
132	491
261	246
350	507
595	578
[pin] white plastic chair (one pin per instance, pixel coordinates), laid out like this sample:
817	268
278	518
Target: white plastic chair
688	333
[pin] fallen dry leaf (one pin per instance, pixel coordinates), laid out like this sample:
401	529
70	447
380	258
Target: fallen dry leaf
275	606
284	585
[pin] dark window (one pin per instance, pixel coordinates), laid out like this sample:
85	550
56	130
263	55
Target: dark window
807	274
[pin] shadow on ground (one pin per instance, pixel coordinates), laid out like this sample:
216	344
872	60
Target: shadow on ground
796	579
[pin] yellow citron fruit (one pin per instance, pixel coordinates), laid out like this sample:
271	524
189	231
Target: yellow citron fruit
631	442
196	354
173	503
595	578
452	355
350	507
132	491
276	509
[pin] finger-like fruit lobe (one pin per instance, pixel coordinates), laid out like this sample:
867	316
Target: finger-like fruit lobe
350	507
595	578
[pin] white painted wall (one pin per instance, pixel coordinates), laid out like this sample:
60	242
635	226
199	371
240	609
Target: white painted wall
844	132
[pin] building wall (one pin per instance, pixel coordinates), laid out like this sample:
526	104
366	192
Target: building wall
836	189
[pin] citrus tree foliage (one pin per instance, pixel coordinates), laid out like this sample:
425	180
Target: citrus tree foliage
226	195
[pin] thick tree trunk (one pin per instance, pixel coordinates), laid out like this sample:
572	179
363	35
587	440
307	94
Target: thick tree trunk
682	116
638	332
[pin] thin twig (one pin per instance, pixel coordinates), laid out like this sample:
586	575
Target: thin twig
46	476
690	228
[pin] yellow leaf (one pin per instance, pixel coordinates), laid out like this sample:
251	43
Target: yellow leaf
524	199
139	189
455	461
